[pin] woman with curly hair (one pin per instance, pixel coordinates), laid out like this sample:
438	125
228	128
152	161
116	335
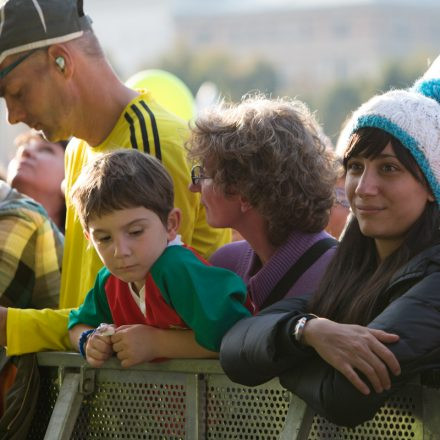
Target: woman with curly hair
374	321
263	170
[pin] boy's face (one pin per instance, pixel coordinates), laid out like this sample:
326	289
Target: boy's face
130	240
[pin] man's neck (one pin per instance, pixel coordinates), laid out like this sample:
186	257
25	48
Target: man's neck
102	99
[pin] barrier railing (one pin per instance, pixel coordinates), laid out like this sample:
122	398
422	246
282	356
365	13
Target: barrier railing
193	399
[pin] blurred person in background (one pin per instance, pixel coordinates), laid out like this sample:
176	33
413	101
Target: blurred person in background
31	252
340	208
37	170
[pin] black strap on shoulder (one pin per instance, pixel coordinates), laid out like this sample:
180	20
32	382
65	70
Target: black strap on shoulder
312	254
3	358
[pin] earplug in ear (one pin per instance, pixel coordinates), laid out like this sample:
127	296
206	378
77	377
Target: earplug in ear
60	63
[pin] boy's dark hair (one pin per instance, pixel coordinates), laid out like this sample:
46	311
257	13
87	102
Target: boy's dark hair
122	179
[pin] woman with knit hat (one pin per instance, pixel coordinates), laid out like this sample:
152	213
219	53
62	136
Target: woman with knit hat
374	321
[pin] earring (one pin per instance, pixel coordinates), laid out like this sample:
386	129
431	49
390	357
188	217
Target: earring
60	63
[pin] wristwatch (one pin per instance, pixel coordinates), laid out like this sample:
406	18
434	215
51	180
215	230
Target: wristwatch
300	324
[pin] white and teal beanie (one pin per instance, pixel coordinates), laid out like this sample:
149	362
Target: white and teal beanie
412	116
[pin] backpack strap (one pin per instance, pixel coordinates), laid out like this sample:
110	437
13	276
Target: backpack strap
3	358
307	259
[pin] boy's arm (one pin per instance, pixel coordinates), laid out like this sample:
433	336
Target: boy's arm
139	343
210	300
95	309
75	333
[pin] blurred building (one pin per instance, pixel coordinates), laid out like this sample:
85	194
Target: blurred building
312	47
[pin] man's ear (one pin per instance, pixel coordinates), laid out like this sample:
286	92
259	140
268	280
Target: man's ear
61	59
86	234
173	223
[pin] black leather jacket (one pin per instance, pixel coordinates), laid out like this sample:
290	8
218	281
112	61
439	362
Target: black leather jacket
259	348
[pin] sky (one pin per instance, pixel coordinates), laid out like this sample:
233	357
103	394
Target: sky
185	6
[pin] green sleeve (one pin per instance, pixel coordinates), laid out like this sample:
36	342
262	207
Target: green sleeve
209	299
95	309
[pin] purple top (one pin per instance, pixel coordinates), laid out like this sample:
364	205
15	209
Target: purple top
240	258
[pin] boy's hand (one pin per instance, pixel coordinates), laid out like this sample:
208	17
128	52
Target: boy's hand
134	344
98	349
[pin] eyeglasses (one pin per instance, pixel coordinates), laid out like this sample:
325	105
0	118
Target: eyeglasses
341	198
13	65
198	174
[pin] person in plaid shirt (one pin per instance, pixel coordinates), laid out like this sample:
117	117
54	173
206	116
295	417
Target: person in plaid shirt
31	252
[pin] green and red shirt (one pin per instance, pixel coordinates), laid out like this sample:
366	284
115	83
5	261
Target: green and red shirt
181	291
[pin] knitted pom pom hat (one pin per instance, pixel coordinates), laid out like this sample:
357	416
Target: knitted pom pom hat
412	116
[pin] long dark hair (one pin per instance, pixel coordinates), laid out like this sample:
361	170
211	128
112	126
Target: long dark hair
352	287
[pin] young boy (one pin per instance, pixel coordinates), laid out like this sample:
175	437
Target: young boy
124	201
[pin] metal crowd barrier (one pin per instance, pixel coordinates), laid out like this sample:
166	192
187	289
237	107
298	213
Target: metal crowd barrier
193	399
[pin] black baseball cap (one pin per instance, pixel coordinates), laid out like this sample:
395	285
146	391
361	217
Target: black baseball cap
32	24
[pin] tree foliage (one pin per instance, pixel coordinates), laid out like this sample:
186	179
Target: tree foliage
336	103
234	77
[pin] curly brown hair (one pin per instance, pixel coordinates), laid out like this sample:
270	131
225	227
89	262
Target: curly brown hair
269	151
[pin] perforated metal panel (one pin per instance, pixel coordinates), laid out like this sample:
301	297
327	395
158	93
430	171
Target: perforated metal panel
47	396
236	412
399	419
140	405
195	401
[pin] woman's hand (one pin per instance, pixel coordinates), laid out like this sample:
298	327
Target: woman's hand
349	347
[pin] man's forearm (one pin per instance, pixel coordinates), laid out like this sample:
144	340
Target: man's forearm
31	330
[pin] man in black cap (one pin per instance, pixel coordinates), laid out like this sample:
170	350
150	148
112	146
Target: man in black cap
55	78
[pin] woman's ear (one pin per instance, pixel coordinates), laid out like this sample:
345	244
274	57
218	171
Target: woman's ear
86	234
173	223
245	206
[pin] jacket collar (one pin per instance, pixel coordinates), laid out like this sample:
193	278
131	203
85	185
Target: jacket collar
420	265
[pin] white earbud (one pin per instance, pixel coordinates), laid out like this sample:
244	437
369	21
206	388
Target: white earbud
60	63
